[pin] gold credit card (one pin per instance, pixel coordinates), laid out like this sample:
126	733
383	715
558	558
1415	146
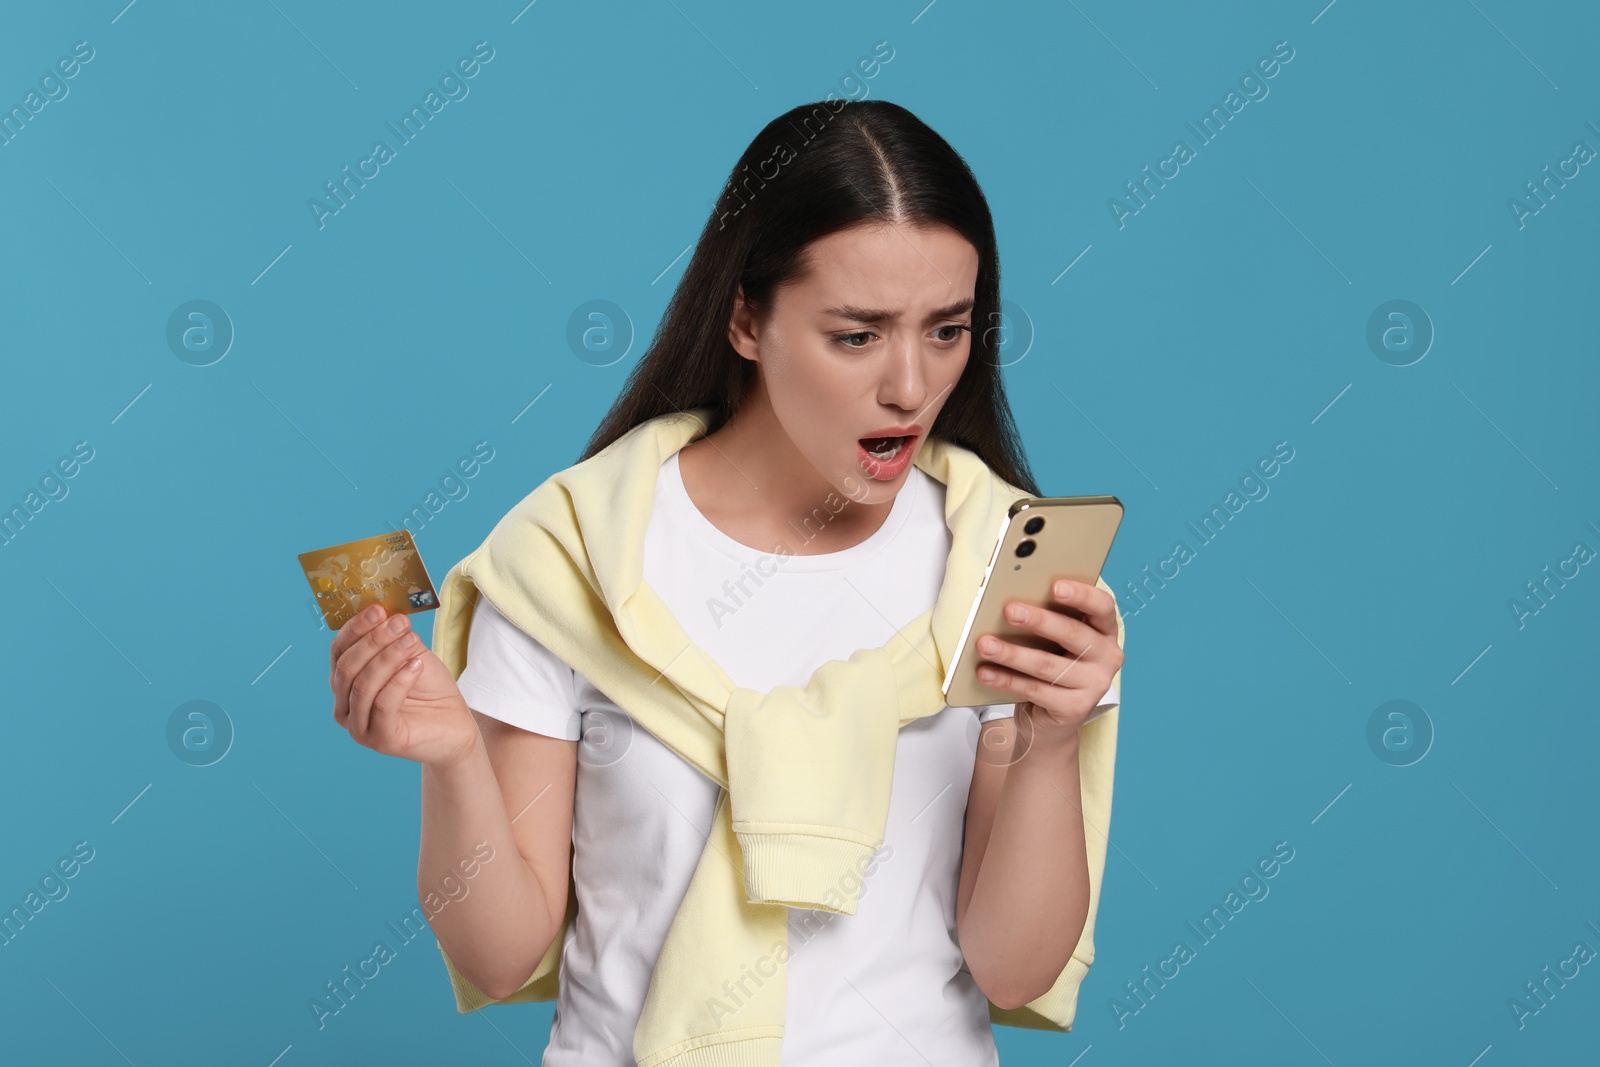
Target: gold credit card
386	569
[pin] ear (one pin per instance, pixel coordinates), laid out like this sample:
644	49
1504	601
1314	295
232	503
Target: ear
743	327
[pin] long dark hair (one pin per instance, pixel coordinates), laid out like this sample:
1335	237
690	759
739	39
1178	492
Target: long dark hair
812	171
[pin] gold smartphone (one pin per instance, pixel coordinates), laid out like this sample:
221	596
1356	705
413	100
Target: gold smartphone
1042	539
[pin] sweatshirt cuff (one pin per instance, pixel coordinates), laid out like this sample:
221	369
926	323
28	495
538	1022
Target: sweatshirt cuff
804	870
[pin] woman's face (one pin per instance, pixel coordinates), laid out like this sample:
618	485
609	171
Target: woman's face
871	340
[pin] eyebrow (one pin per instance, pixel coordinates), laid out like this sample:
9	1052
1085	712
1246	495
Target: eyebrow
861	314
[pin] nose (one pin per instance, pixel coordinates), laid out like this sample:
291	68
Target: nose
905	380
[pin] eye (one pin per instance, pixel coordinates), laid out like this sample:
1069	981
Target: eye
844	339
958	327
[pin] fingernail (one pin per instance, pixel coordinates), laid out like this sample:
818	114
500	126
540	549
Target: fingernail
375	613
1063	590
1016	613
989	645
397	624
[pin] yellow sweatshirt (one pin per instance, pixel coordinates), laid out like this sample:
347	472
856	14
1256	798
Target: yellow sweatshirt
806	772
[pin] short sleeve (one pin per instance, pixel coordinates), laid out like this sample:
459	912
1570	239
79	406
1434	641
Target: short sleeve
1005	711
514	678
990	712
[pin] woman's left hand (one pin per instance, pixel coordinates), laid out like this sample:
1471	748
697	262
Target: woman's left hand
1056	692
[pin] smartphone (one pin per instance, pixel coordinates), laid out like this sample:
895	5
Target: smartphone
1041	540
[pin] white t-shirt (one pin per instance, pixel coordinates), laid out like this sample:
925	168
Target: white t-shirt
886	986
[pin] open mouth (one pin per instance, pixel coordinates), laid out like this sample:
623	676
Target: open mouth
884	448
886	458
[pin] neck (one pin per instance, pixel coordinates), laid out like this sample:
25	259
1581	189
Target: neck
750	482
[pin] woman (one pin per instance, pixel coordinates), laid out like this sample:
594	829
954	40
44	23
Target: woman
824	330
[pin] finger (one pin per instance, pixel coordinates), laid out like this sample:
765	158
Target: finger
1049	667
1098	606
351	632
1075	636
384	721
374	676
1051	698
1024	686
355	658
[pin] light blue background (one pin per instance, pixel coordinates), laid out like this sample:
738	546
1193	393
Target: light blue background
1226	316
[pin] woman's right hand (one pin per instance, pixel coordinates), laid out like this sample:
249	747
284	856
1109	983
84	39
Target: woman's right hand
394	695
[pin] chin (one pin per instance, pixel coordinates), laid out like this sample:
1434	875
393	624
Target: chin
858	488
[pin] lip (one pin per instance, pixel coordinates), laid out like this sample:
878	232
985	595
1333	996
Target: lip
881	471
912	430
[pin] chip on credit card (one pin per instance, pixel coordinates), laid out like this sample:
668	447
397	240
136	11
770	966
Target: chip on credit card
386	569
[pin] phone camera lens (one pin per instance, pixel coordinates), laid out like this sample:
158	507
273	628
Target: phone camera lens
1026	548
1033	525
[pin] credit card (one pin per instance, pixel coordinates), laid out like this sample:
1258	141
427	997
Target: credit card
386	569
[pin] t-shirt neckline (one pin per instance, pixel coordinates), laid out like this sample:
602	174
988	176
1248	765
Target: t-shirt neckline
671	492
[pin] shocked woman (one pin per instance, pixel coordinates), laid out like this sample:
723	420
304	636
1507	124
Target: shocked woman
687	694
